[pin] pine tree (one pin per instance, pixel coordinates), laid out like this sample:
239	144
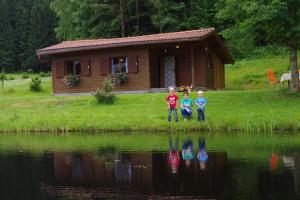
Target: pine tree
7	35
167	14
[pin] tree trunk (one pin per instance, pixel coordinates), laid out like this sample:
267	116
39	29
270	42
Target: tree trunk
137	16
2	77
294	70
122	17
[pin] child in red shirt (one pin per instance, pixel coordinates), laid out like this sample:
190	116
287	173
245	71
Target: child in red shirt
172	101
173	157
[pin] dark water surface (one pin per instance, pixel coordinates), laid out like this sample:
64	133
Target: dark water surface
238	170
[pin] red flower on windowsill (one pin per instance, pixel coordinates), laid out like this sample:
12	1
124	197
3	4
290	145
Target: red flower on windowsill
119	78
72	80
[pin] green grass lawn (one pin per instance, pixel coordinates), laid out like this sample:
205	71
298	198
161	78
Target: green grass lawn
240	110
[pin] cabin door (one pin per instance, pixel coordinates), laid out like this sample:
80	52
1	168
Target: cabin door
210	73
169	71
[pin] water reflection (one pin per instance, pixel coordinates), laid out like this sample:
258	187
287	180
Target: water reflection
138	174
186	170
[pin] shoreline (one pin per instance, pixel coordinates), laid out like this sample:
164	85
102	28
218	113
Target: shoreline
203	129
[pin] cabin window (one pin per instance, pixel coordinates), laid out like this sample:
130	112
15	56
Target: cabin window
73	67
120	65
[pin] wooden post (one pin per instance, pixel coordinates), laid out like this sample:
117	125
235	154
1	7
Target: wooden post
161	71
294	70
193	66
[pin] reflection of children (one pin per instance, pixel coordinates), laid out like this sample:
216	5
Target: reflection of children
173	158
201	103
202	155
172	100
187	152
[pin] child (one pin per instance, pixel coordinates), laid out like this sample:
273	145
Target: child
173	157
186	106
201	103
172	100
188	152
202	155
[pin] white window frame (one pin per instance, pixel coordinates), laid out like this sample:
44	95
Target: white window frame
74	63
112	64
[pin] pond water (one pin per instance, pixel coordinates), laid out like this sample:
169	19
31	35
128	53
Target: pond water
143	167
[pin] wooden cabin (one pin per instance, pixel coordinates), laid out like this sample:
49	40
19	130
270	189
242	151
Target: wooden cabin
150	61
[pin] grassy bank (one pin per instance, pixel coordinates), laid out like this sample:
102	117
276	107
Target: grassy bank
262	110
226	111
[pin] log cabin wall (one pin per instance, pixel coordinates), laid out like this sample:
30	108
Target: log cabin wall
219	72
137	80
155	68
149	72
183	66
200	61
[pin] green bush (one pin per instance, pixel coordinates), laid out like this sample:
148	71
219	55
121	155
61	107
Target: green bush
35	84
10	78
106	96
108	85
3	77
25	76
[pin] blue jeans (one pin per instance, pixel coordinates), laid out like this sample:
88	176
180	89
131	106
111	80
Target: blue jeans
174	110
185	113
202	144
201	115
171	147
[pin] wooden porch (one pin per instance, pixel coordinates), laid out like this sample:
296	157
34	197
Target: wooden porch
184	64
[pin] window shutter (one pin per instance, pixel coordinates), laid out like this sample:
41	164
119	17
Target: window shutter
85	67
105	67
133	64
60	69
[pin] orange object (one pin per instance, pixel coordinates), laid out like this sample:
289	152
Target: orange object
274	162
271	77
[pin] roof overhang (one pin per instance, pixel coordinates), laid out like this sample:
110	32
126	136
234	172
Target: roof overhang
228	58
96	47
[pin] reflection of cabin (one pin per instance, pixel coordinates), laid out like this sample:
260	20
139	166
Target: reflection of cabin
151	61
132	175
86	168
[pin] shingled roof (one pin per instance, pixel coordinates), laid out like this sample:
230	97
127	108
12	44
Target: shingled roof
80	45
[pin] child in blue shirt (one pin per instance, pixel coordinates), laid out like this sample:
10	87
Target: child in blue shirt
201	103
202	155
